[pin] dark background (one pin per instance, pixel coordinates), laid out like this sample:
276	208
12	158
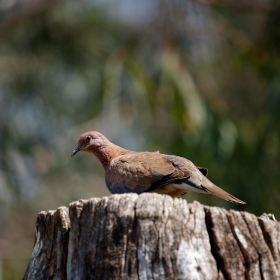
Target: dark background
196	79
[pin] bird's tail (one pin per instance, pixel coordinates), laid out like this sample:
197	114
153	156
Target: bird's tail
209	187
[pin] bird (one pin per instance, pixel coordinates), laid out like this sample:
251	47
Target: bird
129	171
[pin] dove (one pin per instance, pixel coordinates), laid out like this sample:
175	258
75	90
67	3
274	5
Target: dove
137	172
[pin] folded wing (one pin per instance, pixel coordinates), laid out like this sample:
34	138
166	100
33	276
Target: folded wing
146	172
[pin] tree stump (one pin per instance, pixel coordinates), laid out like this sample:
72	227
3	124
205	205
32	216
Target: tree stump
153	236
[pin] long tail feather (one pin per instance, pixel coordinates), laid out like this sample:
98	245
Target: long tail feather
209	187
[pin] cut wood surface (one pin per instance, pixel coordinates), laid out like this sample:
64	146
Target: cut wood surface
153	236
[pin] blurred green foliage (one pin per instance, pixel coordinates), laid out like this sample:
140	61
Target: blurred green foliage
184	78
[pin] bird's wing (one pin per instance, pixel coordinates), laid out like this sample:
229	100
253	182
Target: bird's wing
145	172
139	172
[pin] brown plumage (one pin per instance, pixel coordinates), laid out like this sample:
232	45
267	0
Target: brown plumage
129	171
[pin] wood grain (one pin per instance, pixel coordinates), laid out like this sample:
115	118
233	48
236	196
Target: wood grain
153	236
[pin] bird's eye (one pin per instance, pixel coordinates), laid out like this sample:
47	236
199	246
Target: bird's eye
88	138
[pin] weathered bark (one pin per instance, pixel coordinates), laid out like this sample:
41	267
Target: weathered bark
153	236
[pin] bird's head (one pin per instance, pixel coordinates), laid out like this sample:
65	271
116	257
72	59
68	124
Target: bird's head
91	141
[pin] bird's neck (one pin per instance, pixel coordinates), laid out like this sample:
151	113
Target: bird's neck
107	153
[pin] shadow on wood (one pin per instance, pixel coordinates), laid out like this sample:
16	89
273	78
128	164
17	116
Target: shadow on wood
153	236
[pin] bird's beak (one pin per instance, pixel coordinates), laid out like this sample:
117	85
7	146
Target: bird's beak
76	151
